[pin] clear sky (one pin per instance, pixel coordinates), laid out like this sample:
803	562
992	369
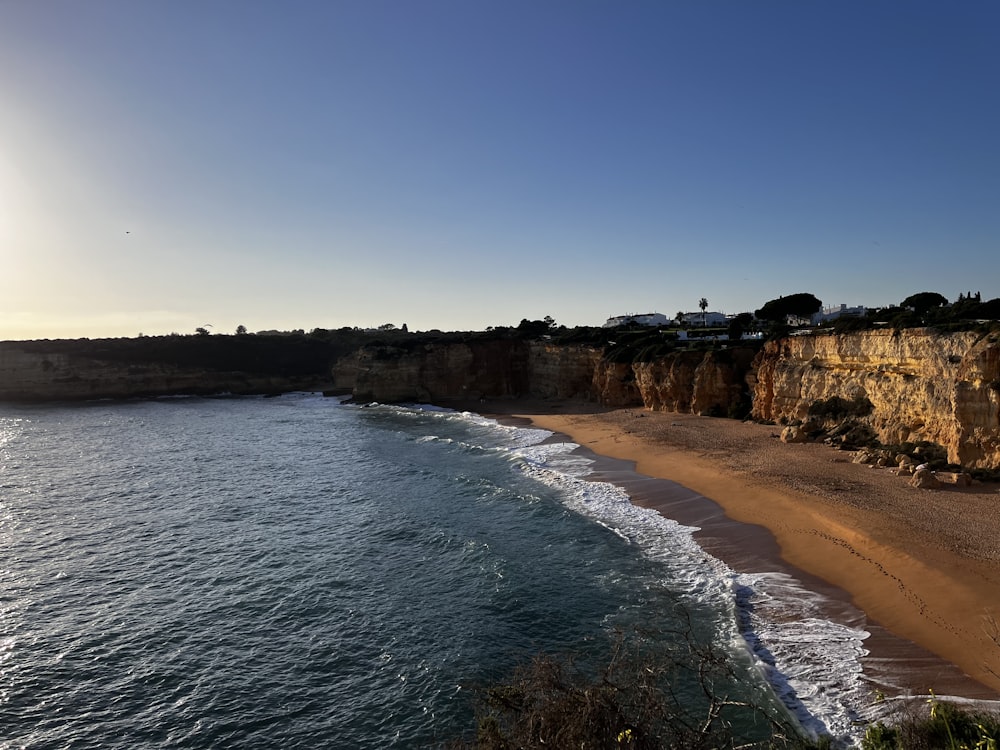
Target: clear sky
460	164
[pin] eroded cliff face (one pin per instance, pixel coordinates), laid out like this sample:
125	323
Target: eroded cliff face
700	382
921	385
472	370
903	387
685	381
562	371
615	384
438	372
54	376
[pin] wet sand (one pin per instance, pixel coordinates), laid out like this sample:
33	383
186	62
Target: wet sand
923	566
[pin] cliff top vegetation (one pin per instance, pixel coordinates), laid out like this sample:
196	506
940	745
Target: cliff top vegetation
298	352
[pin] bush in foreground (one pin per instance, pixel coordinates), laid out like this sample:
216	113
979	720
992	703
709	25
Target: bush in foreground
636	701
943	727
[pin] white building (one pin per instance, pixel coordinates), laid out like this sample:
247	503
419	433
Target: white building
644	319
705	319
838	311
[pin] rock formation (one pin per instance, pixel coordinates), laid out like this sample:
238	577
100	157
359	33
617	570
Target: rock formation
709	383
910	386
925	479
615	384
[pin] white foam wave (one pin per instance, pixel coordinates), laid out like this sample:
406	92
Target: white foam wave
507	436
812	663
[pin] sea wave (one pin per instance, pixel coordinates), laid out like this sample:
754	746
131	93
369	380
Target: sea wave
812	663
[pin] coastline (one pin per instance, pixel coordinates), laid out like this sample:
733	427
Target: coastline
920	565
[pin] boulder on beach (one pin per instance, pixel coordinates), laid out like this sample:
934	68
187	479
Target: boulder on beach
925	479
864	456
794	434
959	478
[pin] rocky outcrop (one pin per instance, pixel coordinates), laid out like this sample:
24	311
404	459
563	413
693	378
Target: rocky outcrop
668	383
911	386
691	381
925	479
701	382
794	434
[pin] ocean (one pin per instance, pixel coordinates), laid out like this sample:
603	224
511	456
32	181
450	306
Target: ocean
297	572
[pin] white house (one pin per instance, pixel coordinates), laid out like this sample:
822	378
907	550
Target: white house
707	319
643	319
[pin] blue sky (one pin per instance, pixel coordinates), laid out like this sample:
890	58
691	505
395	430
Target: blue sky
456	165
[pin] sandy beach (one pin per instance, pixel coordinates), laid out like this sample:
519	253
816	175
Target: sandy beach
923	564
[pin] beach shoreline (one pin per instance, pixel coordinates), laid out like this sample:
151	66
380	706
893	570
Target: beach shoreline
923	566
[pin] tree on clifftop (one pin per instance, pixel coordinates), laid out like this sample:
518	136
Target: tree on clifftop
802	305
535	328
922	302
738	325
703	304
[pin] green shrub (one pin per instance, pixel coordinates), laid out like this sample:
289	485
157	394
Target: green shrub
880	737
621	354
944	727
849	324
632	701
653	352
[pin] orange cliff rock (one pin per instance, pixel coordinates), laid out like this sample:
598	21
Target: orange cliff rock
922	385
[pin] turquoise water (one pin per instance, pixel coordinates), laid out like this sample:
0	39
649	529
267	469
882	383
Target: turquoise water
300	573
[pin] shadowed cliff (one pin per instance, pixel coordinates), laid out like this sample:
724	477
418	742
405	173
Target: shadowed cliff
169	365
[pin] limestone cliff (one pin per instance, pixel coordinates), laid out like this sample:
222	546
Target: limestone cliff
912	386
483	368
432	372
556	371
906	387
52	373
703	382
712	382
615	384
915	385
